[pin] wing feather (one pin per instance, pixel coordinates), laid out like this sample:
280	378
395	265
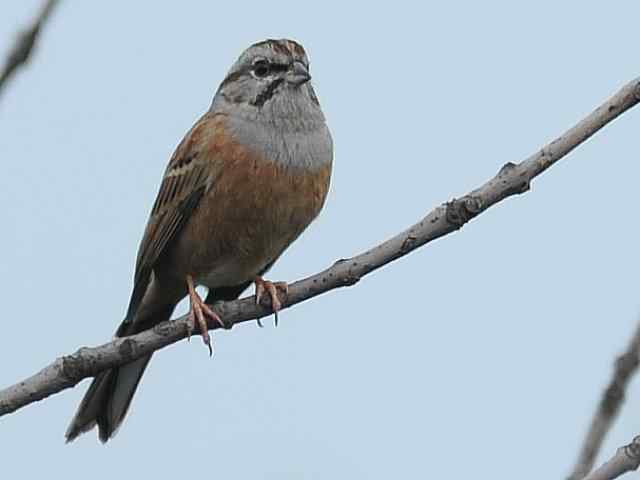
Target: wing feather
184	183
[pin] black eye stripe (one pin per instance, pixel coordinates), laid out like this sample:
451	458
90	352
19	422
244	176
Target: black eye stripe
262	68
279	67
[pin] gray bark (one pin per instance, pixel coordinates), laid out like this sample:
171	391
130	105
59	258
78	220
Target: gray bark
25	43
626	459
612	399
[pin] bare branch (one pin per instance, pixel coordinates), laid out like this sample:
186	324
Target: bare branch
512	179
626	459
612	399
25	43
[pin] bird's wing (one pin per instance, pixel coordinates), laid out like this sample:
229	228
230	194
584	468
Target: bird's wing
185	180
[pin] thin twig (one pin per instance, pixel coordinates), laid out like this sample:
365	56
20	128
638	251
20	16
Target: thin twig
512	179
612	399
626	459
25	43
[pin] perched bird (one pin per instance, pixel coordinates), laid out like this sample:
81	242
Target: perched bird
243	184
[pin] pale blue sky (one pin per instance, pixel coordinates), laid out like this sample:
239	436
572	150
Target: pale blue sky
482	354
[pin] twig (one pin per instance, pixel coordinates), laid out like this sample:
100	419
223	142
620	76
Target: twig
25	43
512	179
612	399
626	459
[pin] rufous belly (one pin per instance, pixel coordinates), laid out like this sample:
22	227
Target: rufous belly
250	214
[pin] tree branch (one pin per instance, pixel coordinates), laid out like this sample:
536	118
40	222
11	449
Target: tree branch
626	459
25	42
512	179
612	399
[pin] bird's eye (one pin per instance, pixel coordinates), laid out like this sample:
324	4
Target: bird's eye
261	68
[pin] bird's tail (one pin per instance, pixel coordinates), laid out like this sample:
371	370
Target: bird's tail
108	399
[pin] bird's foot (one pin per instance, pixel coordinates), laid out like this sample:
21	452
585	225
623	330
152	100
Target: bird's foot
197	312
271	288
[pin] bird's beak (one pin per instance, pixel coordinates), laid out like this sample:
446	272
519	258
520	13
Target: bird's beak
298	74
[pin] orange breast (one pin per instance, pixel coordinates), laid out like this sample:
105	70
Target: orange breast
253	210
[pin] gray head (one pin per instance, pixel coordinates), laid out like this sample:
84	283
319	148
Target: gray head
270	81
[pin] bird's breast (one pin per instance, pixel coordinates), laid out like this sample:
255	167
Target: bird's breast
258	203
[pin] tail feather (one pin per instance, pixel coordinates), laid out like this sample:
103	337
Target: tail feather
109	396
107	401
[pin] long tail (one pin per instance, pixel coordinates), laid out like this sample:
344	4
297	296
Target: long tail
108	399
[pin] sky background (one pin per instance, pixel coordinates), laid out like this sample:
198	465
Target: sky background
483	353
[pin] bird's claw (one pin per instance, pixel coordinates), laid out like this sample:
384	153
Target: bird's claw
270	288
197	313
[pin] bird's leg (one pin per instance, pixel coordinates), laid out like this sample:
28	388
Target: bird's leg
197	311
271	288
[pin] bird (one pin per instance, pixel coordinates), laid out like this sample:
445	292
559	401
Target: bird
246	180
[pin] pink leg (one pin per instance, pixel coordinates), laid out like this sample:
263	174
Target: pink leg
198	310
